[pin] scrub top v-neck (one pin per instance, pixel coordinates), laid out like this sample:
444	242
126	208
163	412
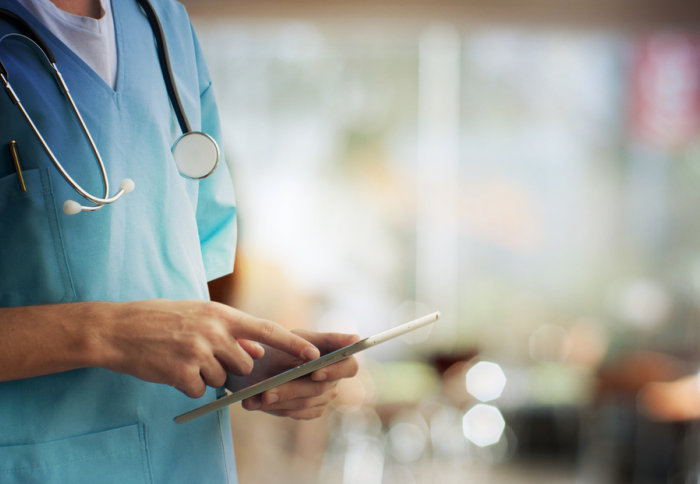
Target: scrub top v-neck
164	240
92	39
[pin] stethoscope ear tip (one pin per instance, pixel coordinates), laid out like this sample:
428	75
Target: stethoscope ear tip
71	207
127	185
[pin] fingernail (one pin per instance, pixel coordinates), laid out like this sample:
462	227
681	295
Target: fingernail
310	353
271	397
261	349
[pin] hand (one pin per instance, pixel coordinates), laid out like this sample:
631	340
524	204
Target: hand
307	397
189	344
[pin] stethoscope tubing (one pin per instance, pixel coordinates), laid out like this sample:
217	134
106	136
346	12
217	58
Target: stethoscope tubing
99	201
28	35
165	65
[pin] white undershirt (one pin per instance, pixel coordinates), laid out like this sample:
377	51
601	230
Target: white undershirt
91	39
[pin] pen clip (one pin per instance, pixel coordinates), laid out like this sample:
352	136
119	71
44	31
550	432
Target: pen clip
14	154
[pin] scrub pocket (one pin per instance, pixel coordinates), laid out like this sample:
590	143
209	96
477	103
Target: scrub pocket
33	266
114	456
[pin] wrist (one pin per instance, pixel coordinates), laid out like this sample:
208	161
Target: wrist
94	332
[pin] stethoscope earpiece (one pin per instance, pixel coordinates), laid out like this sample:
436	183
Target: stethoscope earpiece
127	185
71	207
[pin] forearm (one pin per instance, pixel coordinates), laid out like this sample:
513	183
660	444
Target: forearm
185	344
39	340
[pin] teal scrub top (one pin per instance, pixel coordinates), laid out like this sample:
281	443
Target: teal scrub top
164	240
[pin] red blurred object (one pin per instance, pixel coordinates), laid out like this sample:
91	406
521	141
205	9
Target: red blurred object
665	90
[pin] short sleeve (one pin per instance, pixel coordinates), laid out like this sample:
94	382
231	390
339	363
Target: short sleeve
216	203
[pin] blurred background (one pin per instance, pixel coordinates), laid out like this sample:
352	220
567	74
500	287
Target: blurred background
530	169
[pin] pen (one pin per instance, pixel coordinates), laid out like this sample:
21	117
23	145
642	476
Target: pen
15	160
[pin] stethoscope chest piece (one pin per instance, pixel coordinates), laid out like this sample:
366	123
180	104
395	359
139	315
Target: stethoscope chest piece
196	155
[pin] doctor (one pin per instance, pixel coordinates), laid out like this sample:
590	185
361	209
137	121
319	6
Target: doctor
106	328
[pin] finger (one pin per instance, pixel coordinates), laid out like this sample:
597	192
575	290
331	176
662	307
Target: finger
298	396
299	404
243	325
213	374
327	342
252	403
231	356
234	358
346	368
254	349
191	383
301	414
292	396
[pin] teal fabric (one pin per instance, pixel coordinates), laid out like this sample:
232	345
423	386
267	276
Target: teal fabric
164	240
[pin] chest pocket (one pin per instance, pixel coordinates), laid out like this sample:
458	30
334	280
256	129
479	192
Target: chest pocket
33	265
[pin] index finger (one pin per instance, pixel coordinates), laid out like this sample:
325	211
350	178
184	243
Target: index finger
243	325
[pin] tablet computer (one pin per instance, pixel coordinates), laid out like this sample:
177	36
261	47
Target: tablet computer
308	367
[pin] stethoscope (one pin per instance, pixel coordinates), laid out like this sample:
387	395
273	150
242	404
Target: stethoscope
196	154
